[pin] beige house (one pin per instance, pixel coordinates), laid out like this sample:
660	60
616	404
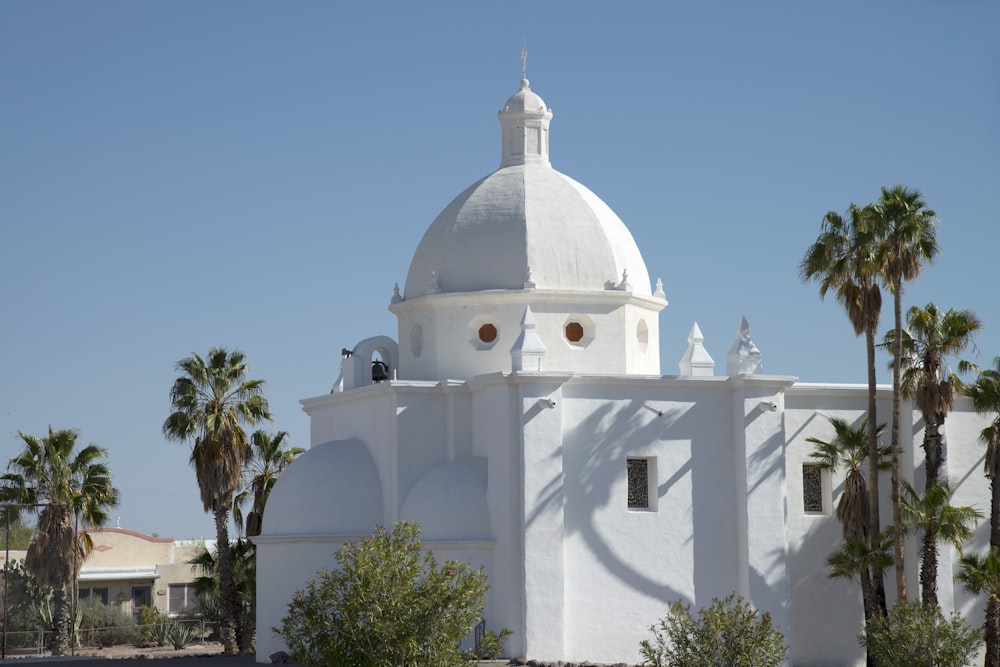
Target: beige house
131	570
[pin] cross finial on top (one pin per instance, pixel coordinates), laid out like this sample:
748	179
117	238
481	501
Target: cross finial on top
524	59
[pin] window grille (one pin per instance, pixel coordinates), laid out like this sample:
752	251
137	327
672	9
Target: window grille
812	489
638	483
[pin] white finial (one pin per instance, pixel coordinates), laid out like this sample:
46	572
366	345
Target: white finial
529	283
528	350
696	360
524	59
744	357
396	296
433	286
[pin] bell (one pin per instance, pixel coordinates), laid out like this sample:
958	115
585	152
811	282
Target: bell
379	371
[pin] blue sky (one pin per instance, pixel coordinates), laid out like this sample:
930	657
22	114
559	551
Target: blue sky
178	175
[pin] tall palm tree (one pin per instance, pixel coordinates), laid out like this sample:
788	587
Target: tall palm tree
930	339
907	237
66	488
843	261
244	577
849	450
855	557
985	395
268	460
940	521
211	402
980	574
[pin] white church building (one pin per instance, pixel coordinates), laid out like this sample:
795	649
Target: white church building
523	418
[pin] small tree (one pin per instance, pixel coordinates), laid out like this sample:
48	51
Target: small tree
387	604
917	635
727	632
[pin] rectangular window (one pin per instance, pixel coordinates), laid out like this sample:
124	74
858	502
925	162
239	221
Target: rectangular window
99	594
641	483
181	597
812	489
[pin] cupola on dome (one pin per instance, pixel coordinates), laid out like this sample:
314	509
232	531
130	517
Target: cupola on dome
526	225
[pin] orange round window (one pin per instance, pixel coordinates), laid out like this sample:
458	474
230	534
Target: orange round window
574	332
487	333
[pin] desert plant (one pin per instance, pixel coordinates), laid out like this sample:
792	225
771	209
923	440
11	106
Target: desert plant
492	644
387	604
179	635
161	633
913	634
104	625
727	632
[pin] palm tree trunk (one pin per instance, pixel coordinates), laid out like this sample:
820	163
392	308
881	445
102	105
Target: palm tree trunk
992	632
897	513
992	603
868	600
929	567
928	549
878	585
227	592
60	622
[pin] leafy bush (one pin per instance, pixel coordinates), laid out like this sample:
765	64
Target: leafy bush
492	644
150	618
104	625
727	632
386	605
916	635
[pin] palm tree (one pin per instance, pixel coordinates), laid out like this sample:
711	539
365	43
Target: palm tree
985	395
268	460
907	237
932	337
979	575
211	402
65	487
849	449
244	579
940	521
857	557
843	260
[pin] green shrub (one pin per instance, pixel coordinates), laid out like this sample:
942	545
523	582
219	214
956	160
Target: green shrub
727	632
492	644
387	604
104	625
915	635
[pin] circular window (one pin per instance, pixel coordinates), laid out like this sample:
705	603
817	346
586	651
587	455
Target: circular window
574	332
487	333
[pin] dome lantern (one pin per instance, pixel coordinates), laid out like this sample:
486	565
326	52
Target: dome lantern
524	120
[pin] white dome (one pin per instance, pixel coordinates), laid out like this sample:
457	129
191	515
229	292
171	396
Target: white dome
344	492
449	502
525	217
525	100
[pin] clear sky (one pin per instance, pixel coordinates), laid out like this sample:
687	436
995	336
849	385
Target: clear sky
178	175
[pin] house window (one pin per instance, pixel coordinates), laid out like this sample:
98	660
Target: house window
100	594
574	332
812	489
641	483
182	596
